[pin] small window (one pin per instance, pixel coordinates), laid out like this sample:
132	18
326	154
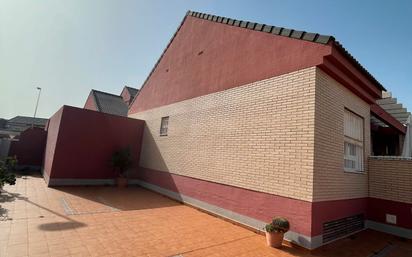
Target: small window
353	146
164	125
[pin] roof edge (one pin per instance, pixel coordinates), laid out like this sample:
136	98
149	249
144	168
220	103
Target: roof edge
357	64
280	31
158	60
291	33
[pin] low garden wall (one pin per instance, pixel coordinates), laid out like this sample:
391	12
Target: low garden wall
80	144
390	194
29	148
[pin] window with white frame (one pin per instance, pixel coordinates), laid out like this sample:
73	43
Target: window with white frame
353	147
164	124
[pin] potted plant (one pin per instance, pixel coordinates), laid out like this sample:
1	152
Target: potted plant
275	231
121	161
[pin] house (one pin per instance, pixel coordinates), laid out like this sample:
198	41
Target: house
23	137
249	121
21	123
128	94
110	103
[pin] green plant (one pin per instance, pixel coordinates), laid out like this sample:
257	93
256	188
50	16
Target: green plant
6	167
278	224
121	161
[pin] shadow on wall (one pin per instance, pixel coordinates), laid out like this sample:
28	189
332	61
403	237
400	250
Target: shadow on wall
163	180
124	199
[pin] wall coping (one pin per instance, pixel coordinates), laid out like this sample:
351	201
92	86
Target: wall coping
398	158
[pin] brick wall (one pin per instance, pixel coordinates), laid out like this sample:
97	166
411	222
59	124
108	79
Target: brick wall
259	136
331	182
390	178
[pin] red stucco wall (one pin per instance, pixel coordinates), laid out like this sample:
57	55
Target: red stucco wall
29	149
80	143
333	210
207	57
305	217
260	206
378	208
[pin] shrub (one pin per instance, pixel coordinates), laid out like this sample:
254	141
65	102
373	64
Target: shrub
6	168
121	160
278	224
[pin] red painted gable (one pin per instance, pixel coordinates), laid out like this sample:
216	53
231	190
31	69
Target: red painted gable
207	57
127	98
90	103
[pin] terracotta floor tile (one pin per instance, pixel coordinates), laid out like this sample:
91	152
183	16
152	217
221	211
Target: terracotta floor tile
17	250
107	221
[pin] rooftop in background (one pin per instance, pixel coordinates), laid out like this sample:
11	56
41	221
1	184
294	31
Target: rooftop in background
132	91
21	123
110	103
128	94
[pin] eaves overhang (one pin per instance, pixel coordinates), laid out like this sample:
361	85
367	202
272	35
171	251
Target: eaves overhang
387	118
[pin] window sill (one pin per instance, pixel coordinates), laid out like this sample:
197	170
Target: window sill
163	135
354	171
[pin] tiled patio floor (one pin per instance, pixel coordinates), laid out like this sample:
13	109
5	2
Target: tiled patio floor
105	221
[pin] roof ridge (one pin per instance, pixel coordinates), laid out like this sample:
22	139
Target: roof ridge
98	91
27	117
280	31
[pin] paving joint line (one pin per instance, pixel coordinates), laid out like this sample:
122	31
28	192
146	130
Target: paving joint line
384	251
215	245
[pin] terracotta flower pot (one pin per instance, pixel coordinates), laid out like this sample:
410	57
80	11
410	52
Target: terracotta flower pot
274	239
121	182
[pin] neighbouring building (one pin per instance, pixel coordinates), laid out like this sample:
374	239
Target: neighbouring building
250	121
12	129
21	123
128	94
110	103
